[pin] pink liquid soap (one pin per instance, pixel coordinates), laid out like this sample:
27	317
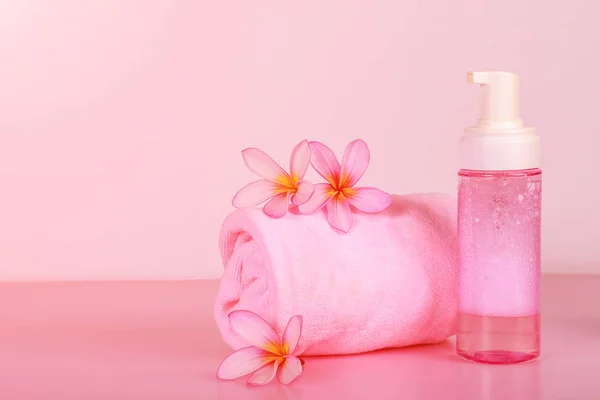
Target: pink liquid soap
499	221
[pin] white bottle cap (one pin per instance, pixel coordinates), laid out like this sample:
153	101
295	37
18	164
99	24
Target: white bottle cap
499	141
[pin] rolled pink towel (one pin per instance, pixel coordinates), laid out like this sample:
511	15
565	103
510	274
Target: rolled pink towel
389	282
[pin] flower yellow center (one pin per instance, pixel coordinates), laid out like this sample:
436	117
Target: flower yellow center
287	184
341	193
274	348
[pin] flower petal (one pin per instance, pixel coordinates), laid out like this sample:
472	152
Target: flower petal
264	166
265	374
255	330
325	163
339	214
243	362
289	370
303	193
369	200
300	160
291	334
354	163
323	192
277	207
254	193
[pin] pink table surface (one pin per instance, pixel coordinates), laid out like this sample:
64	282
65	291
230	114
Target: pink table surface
158	340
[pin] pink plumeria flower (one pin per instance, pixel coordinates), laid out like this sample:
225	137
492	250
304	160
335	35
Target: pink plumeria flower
268	354
277	186
339	193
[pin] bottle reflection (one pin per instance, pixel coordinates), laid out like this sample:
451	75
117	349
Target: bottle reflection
514	382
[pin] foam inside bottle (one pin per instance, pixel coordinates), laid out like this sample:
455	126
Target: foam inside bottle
499	245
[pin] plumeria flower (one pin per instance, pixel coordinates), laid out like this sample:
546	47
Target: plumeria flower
277	186
339	193
268	354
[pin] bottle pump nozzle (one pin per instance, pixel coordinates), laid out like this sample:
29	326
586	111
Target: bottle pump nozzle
499	99
499	141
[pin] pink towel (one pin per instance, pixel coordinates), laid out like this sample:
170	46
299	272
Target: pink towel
389	282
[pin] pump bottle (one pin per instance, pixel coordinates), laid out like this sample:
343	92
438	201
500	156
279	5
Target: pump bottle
499	235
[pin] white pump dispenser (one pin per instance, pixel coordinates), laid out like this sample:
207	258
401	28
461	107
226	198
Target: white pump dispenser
499	141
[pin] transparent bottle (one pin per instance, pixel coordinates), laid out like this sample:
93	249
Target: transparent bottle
499	230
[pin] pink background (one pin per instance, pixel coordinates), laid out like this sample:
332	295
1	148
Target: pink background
122	121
